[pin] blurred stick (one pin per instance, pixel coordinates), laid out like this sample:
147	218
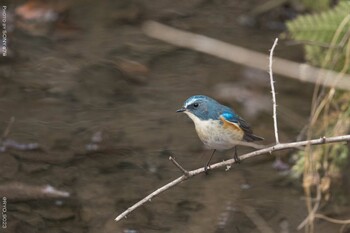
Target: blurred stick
302	72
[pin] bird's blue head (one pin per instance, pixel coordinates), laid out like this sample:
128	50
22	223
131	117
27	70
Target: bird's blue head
203	107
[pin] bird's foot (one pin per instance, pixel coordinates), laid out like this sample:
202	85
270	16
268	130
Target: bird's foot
237	159
206	169
235	156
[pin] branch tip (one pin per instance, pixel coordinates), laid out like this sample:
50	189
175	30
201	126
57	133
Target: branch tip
183	170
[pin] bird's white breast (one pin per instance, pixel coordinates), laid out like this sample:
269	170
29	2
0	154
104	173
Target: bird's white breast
214	135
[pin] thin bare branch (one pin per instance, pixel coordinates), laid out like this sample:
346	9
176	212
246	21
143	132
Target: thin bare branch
273	92
281	146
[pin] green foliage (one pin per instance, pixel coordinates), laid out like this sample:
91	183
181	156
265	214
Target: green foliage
325	35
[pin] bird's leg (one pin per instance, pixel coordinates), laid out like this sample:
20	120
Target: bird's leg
235	156
207	164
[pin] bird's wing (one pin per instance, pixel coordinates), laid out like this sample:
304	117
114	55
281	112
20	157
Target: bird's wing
248	132
230	118
244	125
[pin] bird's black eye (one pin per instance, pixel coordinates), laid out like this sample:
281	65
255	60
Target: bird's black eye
195	105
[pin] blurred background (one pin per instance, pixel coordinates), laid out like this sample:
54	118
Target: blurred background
88	117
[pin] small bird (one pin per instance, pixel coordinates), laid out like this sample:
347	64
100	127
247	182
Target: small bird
218	126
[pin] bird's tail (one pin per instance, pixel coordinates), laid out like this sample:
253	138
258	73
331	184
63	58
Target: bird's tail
252	138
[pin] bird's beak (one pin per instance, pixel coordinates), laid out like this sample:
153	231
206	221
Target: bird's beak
181	109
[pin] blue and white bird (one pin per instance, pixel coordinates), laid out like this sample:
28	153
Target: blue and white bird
218	126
